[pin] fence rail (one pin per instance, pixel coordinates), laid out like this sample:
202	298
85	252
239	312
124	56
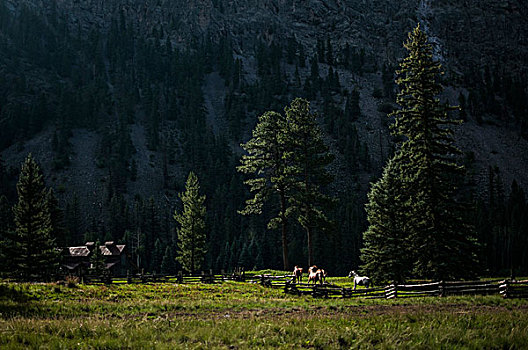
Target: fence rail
508	289
505	288
514	289
204	277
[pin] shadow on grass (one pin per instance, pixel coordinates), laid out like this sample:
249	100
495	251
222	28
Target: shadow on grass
15	293
16	300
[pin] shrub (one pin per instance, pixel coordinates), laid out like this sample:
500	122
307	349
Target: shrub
72	281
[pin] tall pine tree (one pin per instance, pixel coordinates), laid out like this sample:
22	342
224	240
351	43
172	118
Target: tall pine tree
307	157
32	248
443	245
385	253
266	160
191	233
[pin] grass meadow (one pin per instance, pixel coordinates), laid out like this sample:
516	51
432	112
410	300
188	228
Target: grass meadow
235	315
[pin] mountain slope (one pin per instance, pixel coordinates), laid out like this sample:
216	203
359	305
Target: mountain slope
119	99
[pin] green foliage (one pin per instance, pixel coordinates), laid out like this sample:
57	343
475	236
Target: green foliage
58	232
307	157
501	222
266	160
6	230
386	245
97	262
168	265
191	233
441	243
288	156
31	247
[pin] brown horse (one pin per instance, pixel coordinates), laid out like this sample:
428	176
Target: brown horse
297	274
316	275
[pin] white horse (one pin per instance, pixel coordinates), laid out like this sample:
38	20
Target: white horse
360	280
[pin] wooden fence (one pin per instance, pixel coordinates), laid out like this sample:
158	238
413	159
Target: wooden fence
203	277
514	289
508	289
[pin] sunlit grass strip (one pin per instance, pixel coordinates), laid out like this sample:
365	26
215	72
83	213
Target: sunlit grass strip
418	329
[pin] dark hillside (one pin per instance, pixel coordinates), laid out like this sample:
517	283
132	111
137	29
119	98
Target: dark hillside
118	100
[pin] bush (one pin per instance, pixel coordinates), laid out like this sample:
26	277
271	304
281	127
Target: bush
72	281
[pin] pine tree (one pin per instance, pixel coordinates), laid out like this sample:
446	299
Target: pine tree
157	256
168	262
32	249
73	218
315	78
308	158
191	233
6	231
57	220
97	261
266	160
442	243
385	252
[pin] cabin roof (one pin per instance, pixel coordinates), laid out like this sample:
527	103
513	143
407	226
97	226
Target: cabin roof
108	249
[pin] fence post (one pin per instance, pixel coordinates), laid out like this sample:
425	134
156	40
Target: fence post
180	276
391	291
441	287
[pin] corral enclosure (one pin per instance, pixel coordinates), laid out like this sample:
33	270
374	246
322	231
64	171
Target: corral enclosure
247	315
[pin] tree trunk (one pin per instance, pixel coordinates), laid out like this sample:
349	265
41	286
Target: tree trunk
284	238
309	237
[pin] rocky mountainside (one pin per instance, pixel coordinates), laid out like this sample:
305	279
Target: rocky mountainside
151	79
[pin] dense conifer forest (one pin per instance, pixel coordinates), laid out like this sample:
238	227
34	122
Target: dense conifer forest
119	102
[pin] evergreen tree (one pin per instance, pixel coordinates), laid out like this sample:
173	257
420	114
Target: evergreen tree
191	233
315	78
6	231
168	265
73	219
32	248
97	261
157	256
266	160
442	243
385	252
329	52
308	158
57	220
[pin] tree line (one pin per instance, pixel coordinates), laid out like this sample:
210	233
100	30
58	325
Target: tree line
29	248
157	84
